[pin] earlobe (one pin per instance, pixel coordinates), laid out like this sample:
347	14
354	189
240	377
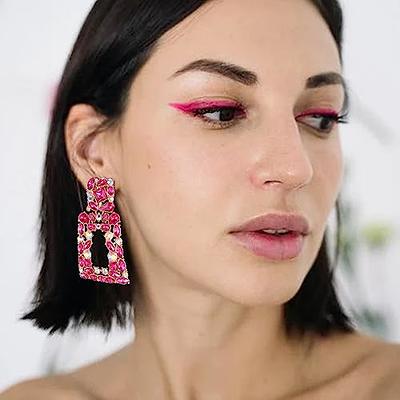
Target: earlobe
84	144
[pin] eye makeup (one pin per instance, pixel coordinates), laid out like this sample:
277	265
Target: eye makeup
193	106
326	117
328	112
232	111
229	110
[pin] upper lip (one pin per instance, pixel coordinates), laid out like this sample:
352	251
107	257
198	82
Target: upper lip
291	222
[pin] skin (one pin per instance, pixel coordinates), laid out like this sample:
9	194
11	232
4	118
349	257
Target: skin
208	313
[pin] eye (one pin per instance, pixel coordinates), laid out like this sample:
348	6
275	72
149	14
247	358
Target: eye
322	121
220	116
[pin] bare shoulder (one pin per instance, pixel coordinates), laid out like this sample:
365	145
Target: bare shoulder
88	382
386	363
47	388
360	366
377	373
83	383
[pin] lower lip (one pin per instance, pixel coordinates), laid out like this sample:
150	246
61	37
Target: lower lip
270	246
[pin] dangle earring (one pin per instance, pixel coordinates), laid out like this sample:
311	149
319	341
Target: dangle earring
100	215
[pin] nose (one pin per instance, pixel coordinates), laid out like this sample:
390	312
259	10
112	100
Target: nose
283	161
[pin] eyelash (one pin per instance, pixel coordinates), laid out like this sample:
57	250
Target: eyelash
330	116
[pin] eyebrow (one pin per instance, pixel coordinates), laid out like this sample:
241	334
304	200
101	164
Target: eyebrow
250	78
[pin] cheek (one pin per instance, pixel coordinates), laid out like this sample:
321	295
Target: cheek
173	184
328	175
334	168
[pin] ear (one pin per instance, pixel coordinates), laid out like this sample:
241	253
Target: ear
85	145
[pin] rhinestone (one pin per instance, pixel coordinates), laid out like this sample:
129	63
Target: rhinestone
104	271
88	235
112	256
110	199
110	181
125	274
108	235
80	239
80	269
118	241
87	254
87	208
98	218
90	196
96	270
97	226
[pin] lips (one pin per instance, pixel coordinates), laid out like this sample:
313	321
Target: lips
291	222
272	247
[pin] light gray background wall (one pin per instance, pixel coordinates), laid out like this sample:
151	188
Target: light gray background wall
35	39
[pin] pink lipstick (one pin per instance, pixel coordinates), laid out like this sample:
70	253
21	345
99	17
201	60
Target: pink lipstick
272	246
273	236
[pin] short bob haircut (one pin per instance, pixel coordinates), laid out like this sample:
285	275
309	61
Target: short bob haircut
115	41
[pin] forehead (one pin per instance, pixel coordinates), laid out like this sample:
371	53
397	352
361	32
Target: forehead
275	38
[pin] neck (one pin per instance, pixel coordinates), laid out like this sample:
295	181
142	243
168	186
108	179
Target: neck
217	347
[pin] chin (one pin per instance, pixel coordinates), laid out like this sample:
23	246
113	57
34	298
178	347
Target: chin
261	289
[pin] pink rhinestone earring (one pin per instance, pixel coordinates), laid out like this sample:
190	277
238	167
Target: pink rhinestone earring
100	215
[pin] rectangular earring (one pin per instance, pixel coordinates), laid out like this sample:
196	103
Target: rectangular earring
100	215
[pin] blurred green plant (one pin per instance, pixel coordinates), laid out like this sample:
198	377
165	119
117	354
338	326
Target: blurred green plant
374	236
378	234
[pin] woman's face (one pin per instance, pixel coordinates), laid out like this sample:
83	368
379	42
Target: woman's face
183	183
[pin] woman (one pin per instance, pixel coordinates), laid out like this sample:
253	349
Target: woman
203	118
